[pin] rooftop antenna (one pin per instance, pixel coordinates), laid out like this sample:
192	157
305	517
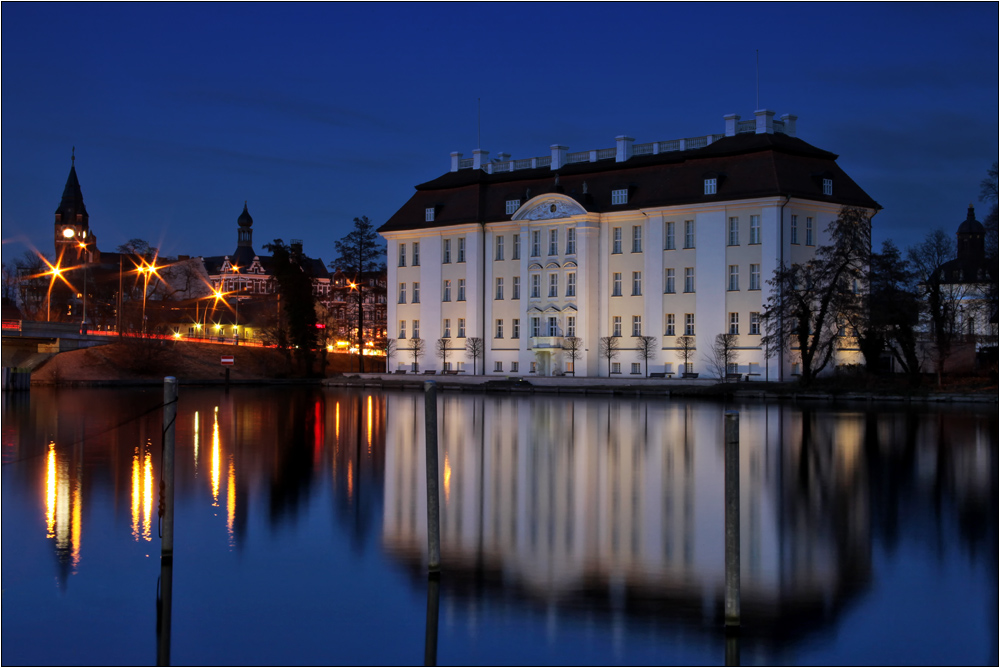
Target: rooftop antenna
757	51
72	156
479	122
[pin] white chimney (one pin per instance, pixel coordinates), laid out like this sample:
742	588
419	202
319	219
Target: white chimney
558	156
732	120
789	120
765	121
456	157
623	148
480	158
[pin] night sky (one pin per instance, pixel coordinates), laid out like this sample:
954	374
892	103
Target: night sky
316	113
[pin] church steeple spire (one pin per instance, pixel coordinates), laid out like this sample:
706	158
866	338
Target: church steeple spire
72	223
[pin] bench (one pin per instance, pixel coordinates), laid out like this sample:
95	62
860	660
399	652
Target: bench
662	374
751	374
430	372
689	375
734	376
400	371
450	372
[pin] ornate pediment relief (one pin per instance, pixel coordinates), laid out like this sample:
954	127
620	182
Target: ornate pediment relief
548	207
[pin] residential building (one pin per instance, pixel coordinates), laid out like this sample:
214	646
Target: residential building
713	211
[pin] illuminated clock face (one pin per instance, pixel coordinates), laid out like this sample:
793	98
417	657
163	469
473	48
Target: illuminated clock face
69	232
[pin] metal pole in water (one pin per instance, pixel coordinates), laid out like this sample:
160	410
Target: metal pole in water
732	483
433	507
169	422
431	630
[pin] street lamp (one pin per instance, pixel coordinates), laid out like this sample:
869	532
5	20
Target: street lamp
236	327
55	272
146	270
86	260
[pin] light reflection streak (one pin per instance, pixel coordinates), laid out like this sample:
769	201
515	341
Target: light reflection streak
447	478
369	424
197	439
215	459
77	527
350	479
231	501
50	493
136	494
142	495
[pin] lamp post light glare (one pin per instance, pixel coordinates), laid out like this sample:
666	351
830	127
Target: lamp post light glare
86	261
55	272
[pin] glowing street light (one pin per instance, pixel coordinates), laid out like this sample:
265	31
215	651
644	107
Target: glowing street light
55	272
146	270
86	261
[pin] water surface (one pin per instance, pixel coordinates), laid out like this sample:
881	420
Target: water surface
574	531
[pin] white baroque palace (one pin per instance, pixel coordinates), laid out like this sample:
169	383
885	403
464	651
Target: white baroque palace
666	239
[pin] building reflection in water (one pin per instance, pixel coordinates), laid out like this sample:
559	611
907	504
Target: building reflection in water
618	504
63	505
143	493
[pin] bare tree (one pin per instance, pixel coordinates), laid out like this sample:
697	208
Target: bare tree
645	350
360	253
416	349
723	354
942	302
574	350
475	348
685	346
809	299
387	347
609	349
442	352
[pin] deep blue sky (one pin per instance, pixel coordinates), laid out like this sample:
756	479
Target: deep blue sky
316	113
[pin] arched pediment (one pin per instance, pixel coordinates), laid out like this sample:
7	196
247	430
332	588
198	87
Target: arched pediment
570	264
552	265
547	207
534	266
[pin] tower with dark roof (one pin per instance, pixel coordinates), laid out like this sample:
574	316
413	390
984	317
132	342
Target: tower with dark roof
72	223
244	254
971	238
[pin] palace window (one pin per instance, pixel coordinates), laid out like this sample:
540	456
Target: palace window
688	279
616	240
446	296
619	196
734	231
499	334
827	186
571	325
755	277
711	186
416	292
461	289
515	328
809	232
553	285
447	251
429	214
461	328
416	253
616	325
671	324
536	243
754	322
517	248
571	284
461	249
554	242
795	230
636	238
668	287
513	205
688	234
499	243
734	323
734	277
402	293
515	289
616	284
499	294
755	229
637	325
402	329
636	283
536	286
447	329
689	324
570	241
402	255
668	236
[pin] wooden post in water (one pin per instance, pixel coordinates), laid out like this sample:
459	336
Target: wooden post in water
169	422
732	483
433	503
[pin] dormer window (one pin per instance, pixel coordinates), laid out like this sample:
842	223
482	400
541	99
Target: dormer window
429	214
827	186
711	186
619	196
512	206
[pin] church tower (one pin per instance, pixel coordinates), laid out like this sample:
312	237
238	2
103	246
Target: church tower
244	254
73	239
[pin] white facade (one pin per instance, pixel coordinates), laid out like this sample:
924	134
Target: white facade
553	269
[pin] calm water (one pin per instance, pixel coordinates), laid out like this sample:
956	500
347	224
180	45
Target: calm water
574	531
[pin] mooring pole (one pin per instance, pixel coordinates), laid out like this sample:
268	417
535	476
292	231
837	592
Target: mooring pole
433	506
169	422
732	484
431	630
